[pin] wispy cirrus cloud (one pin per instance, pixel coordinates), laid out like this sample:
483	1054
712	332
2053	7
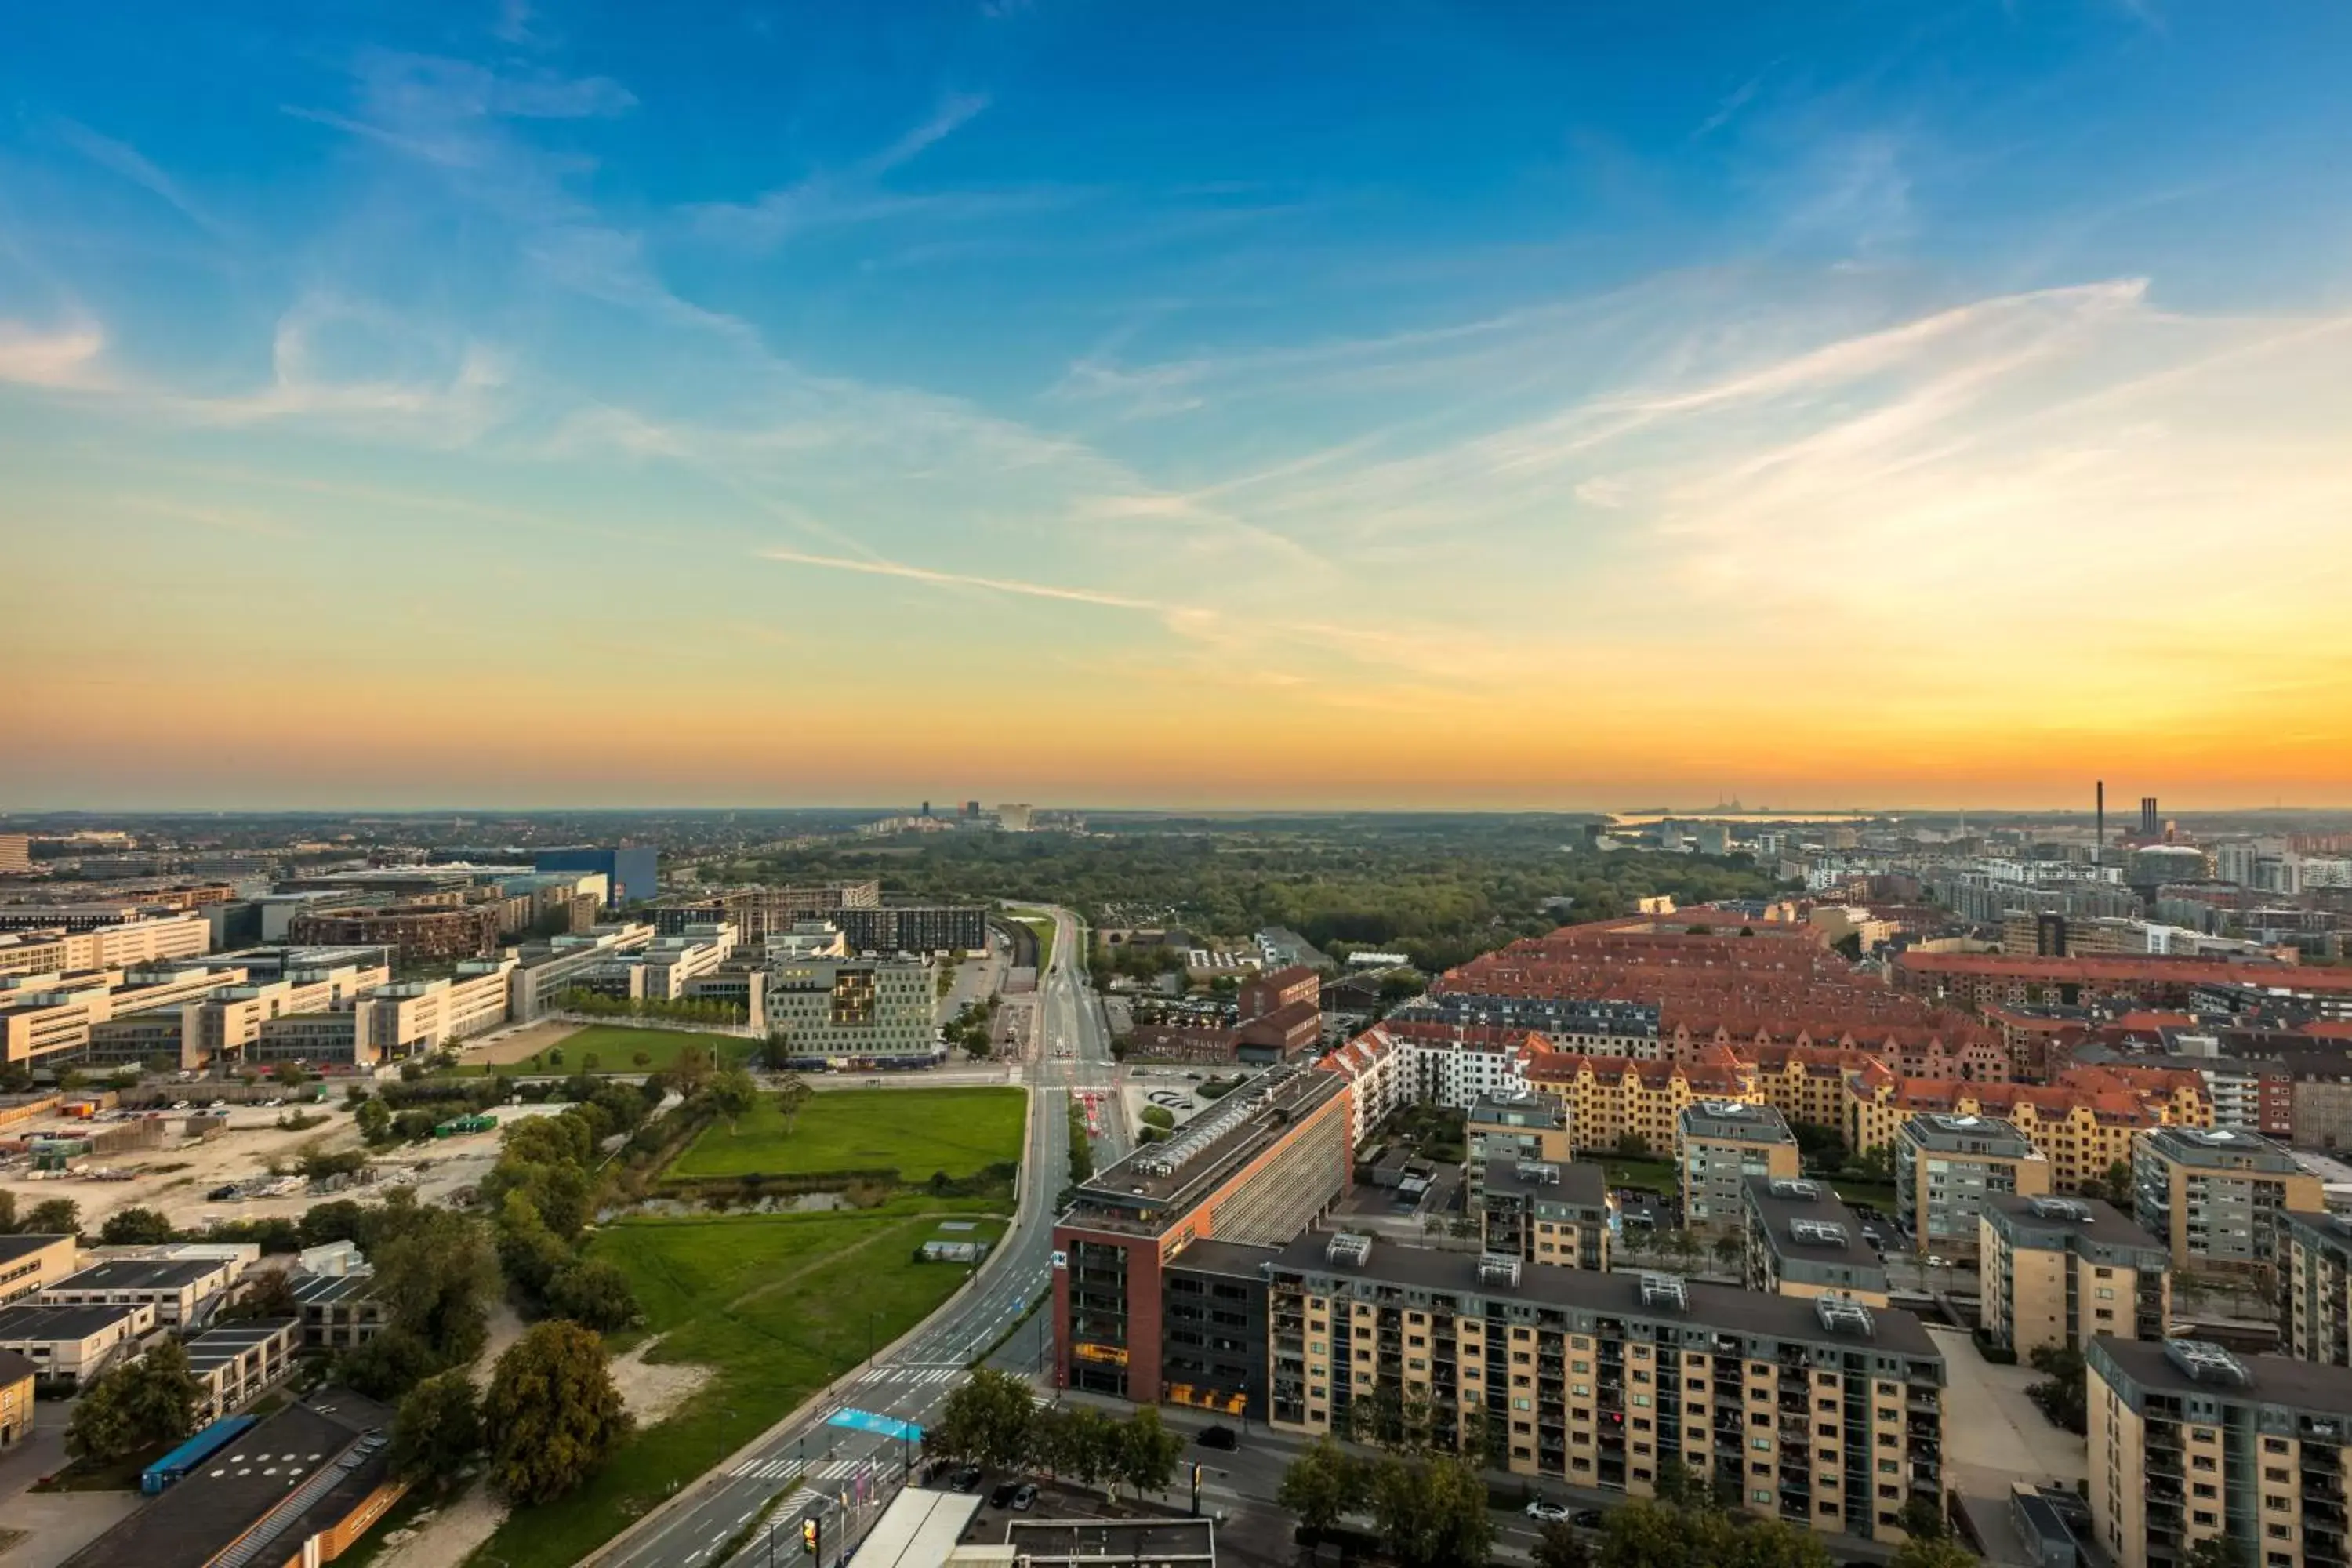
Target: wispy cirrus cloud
123	159
856	193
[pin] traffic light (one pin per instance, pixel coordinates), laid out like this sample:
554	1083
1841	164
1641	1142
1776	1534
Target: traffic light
809	1533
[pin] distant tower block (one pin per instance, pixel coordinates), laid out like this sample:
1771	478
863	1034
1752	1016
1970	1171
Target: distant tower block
2149	823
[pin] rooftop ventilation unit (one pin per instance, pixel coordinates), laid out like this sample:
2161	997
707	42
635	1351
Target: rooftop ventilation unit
1665	1292
2206	1361
1498	1269
1783	1187
1961	1123
1731	1110
1350	1247
2058	1208
1817	1233
1842	1314
1540	1172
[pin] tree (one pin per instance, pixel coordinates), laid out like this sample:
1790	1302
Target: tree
1729	1250
1558	1546
1922	1520
691	1070
2063	1393
1433	1514
268	1293
436	1274
290	1074
1642	1535
134	1227
1321	1485
732	1093
1147	1452
2217	1551
339	1219
374	1117
1759	1543
991	1420
146	1403
553	1417
1089	1445
53	1217
529	1253
1917	1552
594	1294
438	1430
395	1360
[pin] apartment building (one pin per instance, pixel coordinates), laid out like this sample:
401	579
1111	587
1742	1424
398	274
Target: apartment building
1379	1073
1531	1126
852	1012
417	934
418	1016
17	1374
30	1264
662	970
15	853
1268	1160
543	971
1981	980
73	1344
1212	1331
50	1019
2191	1443
914	928
234	1362
2082	1123
1807	1083
181	1291
1612	1098
1718	1145
1823	1413
2059	1271
1802	1241
1555	1212
1571	1023
2318	1285
2218	1196
1945	1168
134	941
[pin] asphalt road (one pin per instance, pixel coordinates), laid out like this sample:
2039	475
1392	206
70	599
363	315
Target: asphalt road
811	1465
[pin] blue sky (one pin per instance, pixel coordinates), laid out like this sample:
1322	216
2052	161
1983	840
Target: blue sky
1527	380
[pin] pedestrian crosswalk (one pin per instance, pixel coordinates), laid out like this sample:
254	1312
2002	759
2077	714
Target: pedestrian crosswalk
776	1469
914	1375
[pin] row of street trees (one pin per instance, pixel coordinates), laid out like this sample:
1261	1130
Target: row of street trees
992	1420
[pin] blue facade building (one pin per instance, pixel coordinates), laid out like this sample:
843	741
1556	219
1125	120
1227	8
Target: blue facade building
632	876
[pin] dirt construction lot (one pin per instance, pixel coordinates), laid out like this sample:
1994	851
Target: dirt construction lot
176	1177
517	1044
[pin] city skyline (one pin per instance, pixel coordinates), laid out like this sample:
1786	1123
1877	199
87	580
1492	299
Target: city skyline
523	403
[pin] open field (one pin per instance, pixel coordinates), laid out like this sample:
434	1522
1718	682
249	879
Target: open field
916	1131
778	1306
615	1046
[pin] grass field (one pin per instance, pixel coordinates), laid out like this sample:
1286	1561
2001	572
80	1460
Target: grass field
913	1131
1043	925
778	1306
615	1047
1659	1176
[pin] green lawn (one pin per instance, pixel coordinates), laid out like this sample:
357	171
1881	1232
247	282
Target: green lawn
1659	1176
1878	1195
912	1131
1043	925
616	1048
779	1305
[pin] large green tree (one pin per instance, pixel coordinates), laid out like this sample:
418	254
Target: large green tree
138	1405
594	1294
134	1227
1558	1545
990	1419
1322	1485
553	1417
1433	1514
438	1430
1932	1552
1147	1452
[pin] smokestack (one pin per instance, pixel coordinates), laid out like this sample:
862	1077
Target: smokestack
2099	832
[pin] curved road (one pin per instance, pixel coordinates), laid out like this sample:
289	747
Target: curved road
814	1462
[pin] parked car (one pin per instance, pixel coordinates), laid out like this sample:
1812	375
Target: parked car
1024	1499
965	1478
1587	1519
1219	1438
1547	1512
179	1105
1003	1496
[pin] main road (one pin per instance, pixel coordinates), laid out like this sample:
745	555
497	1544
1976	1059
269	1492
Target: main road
815	1462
